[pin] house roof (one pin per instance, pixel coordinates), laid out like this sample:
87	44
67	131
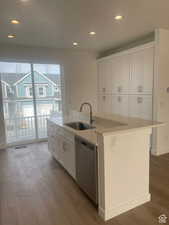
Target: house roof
12	78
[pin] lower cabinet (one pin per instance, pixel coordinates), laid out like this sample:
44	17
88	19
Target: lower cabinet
68	157
62	147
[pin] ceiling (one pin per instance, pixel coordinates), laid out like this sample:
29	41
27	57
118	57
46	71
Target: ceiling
58	23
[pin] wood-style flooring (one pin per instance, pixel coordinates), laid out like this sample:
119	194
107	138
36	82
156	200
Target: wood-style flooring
35	190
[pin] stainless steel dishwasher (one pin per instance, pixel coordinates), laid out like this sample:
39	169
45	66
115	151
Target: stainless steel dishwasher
87	168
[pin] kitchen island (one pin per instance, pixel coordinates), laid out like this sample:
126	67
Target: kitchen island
123	147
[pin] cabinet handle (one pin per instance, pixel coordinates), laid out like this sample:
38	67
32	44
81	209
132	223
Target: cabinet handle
119	88
140	88
139	100
104	89
104	98
119	98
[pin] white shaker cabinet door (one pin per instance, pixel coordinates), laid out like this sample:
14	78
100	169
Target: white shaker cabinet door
120	105
142	66
58	147
105	76
68	157
121	74
105	103
140	106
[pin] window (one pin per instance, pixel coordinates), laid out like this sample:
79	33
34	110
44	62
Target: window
57	92
29	92
41	91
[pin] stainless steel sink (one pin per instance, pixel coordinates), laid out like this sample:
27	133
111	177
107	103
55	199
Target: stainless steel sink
79	126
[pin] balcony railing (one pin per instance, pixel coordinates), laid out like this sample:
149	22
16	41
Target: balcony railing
23	128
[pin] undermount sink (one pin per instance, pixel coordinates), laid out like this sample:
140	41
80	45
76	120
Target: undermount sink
79	126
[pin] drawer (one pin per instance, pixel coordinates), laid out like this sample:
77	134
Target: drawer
54	129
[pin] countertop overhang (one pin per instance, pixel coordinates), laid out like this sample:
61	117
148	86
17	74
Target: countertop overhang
105	124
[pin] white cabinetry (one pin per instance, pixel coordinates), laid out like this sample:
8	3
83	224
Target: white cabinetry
105	76
104	103
120	104
126	82
142	63
120	74
62	146
52	140
68	156
140	106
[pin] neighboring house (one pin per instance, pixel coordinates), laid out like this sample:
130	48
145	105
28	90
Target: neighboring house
18	92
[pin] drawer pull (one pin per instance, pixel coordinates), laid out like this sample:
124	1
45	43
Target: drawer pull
119	88
119	99
139	100
140	88
104	89
104	98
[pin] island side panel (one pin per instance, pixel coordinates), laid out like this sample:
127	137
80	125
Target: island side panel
123	167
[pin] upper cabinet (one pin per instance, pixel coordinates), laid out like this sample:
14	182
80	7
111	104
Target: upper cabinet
105	76
120	74
127	72
142	66
126	82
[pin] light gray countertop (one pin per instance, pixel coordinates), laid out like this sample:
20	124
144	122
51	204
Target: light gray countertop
105	124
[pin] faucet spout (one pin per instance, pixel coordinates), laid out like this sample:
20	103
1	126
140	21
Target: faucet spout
90	108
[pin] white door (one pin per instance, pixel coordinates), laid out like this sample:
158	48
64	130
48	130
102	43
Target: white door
121	74
140	106
120	105
142	63
105	103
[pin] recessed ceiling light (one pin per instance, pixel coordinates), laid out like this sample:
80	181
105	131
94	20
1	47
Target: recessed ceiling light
75	44
15	21
118	17
92	33
11	36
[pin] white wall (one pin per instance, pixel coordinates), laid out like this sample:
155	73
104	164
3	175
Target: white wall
79	66
161	96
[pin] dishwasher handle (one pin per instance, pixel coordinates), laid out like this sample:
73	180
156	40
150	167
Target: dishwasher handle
85	143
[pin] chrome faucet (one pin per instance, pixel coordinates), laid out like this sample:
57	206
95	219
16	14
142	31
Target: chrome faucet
90	107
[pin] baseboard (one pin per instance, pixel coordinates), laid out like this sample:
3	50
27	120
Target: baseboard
159	151
124	207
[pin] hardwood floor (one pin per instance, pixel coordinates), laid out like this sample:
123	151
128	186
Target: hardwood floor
35	190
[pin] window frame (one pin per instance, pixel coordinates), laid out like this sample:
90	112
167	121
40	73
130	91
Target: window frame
28	95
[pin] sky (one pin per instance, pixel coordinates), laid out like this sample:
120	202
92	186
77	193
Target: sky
6	67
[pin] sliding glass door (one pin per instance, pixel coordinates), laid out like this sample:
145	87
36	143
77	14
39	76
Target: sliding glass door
30	93
47	83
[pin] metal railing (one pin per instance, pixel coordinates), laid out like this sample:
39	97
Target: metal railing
23	128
